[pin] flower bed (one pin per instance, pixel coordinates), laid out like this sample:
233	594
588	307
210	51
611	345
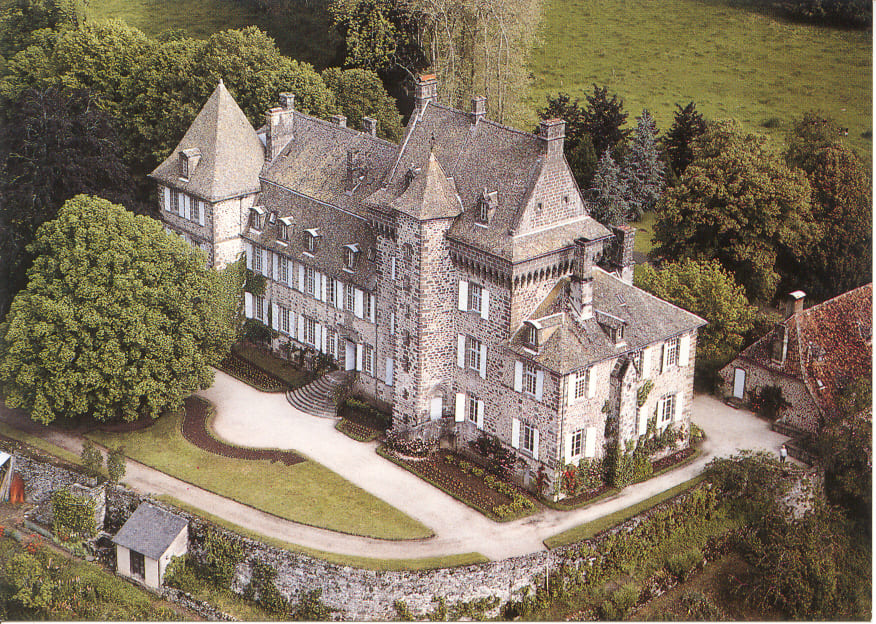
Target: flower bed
469	484
670	460
249	373
361	421
357	431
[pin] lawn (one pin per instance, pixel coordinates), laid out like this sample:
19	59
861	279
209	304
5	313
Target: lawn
731	61
32	440
644	232
307	492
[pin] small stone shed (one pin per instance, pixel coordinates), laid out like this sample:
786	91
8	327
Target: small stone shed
146	543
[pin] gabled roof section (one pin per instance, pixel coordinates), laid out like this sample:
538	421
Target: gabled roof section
150	531
430	195
232	155
829	345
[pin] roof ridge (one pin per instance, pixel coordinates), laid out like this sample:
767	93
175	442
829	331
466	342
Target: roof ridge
332	124
655	297
485	119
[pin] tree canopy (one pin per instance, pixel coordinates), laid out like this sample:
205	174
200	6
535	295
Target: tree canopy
609	202
21	19
359	93
687	126
577	146
740	204
643	169
602	120
119	319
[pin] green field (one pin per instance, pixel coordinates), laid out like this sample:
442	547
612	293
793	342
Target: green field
306	36
306	492
733	62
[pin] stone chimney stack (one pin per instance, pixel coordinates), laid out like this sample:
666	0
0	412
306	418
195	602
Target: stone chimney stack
478	108
369	126
280	123
581	282
425	91
794	303
339	120
622	251
552	132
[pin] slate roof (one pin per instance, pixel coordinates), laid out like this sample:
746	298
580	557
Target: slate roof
828	343
430	195
232	155
150	531
574	346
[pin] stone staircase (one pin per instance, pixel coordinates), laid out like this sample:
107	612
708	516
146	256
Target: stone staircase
317	398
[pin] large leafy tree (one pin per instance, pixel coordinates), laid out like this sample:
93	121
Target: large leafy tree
644	171
20	20
119	319
708	290
841	202
740	204
55	145
687	126
602	120
359	93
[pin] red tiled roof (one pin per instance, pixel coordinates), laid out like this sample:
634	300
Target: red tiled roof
829	345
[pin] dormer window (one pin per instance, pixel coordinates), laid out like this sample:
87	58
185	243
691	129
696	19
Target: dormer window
351	256
486	206
411	174
256	217
530	334
188	160
311	240
284	229
613	326
616	334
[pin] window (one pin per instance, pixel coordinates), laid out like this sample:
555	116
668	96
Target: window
582	381
474	297
310	331
368	359
257	260
578	443
184	166
138	564
472	409
616	333
284	319
529	439
255	217
311	240
196	210
284	269
330	288
530	376
483	211
367	304
473	353
350	255
672	352
331	343
283	230
637	358
259	305
530	335
666	410
349	297
309	281
174	201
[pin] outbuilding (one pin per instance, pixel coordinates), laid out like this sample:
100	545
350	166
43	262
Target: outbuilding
147	541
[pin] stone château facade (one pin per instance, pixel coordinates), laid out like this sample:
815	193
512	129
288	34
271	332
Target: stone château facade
459	272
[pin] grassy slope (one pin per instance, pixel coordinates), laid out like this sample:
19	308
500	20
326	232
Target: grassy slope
732	62
307	492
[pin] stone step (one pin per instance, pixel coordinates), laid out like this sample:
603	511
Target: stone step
317	397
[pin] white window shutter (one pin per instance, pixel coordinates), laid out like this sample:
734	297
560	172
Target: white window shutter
485	304
247	304
373	307
567	454
590	442
539	385
358	357
463	295
290	274
535	444
317	337
571	381
275	317
679	406
274	262
291	324
480	415
483	370
201	215
646	362
591	383
247	247
184	211
324	343
518	377
339	295
515	433
664	356
300	278
643	421
359	307
390	371
660	407
324	281
167	198
392	323
393	270
460	351
300	334
459	412
684	350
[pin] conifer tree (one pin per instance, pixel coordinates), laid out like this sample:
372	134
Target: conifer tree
603	118
678	142
609	205
644	171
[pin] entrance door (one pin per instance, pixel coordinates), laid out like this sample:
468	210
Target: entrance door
138	564
739	383
350	355
435	408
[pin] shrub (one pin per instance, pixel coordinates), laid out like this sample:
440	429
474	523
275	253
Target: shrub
115	464
500	461
263	589
769	402
696	606
256	332
310	607
414	447
620	602
92	458
179	574
221	555
680	565
73	516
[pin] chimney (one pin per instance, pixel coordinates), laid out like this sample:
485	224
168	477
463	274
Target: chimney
369	126
622	251
780	345
552	132
478	108
280	123
794	303
425	91
581	283
339	120
287	101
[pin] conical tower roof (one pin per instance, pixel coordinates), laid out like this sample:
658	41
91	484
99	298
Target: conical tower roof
430	194
231	154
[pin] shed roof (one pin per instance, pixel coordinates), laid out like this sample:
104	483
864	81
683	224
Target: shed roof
150	531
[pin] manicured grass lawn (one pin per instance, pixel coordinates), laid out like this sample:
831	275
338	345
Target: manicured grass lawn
731	61
294	377
367	563
307	492
589	529
644	232
31	440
